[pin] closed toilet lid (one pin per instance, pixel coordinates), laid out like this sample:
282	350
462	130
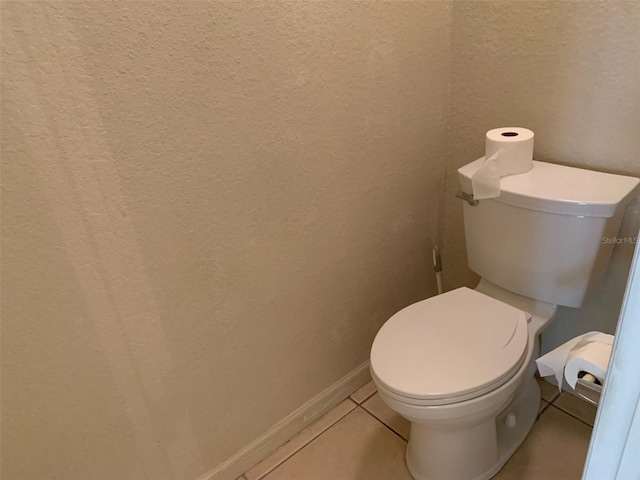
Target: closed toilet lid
459	344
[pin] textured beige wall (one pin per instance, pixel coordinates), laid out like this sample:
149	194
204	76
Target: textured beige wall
208	211
210	208
570	71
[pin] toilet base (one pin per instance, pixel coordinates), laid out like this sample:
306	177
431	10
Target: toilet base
473	452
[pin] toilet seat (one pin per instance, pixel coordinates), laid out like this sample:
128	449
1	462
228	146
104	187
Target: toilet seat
449	348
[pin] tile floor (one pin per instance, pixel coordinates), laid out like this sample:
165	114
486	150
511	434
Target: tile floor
362	439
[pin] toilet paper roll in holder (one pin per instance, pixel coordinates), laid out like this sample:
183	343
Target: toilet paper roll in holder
467	197
589	391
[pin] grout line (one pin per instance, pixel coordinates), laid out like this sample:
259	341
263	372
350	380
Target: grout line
362	402
572	415
548	404
554	398
404	439
365	399
322	432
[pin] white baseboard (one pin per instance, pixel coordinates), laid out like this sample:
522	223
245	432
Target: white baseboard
289	426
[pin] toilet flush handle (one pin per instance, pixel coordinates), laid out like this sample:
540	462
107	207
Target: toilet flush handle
468	197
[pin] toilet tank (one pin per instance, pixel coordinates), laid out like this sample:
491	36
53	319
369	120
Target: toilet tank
550	234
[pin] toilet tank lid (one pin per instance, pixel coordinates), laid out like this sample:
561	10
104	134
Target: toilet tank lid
559	189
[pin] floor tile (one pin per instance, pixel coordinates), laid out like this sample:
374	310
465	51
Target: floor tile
549	392
555	449
576	407
358	447
299	441
364	392
382	412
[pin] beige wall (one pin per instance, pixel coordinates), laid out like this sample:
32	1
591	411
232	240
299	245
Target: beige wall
569	71
208	211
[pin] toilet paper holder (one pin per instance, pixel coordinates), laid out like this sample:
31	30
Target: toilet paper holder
467	197
588	391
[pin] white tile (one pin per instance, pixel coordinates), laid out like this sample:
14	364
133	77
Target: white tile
382	412
299	441
358	447
576	407
364	392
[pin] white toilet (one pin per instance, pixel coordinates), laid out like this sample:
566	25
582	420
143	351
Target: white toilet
460	366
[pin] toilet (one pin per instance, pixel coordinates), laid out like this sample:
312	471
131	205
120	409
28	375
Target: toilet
460	366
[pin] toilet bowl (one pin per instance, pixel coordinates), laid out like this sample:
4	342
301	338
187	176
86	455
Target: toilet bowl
460	366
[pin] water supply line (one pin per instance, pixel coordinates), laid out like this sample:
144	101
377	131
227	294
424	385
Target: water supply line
437	266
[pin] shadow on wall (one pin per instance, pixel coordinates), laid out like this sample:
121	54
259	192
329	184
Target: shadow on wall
74	179
228	198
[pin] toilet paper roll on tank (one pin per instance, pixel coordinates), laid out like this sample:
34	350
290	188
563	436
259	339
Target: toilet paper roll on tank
508	151
586	356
